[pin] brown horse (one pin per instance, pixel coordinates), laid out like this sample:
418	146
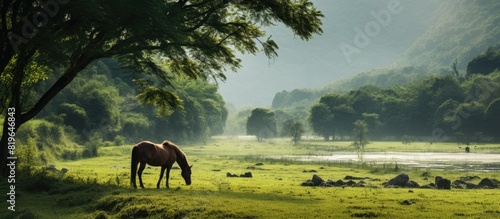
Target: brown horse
164	155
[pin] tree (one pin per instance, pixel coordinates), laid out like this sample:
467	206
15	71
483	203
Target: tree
340	106
372	121
294	129
321	120
485	63
157	39
202	113
492	115
261	123
360	132
360	137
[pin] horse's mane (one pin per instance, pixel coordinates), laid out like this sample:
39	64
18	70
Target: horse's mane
181	157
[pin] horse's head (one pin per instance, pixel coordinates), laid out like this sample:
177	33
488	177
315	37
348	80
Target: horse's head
186	174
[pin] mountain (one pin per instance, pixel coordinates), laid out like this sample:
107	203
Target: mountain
325	58
457	32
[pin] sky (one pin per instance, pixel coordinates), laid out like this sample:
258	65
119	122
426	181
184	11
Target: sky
358	36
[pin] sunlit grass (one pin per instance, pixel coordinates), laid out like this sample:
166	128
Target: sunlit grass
99	187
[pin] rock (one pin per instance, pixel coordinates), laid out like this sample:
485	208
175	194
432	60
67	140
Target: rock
307	183
406	202
355	178
228	174
400	180
350	183
460	184
469	178
443	183
317	180
426	174
412	184
487	184
436	179
329	183
339	183
247	175
428	186
470	185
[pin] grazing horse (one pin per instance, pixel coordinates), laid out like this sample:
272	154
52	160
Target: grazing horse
164	155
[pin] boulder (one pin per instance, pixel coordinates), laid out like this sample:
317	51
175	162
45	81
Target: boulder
307	183
355	178
247	174
487	183
329	183
350	183
339	183
469	178
400	180
317	180
443	183
437	178
228	174
460	184
412	184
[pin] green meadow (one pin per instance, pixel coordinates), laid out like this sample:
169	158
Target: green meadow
100	187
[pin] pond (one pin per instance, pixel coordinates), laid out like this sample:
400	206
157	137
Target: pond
449	161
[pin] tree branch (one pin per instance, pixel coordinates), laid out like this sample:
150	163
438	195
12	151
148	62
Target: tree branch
80	63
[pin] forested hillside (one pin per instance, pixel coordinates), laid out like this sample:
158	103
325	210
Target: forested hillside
101	108
438	108
458	32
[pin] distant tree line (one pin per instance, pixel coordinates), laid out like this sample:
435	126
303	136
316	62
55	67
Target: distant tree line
446	107
455	107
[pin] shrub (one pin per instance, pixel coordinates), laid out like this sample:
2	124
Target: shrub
94	142
28	156
119	140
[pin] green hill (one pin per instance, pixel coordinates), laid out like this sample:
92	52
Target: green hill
458	31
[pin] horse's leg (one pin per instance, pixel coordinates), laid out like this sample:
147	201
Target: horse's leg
141	168
168	173
161	176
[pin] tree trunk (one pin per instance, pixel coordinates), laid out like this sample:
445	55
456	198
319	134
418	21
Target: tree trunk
20	118
5	150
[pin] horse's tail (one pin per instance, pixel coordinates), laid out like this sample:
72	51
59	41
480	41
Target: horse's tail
133	165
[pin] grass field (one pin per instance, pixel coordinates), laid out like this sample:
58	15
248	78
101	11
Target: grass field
99	187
